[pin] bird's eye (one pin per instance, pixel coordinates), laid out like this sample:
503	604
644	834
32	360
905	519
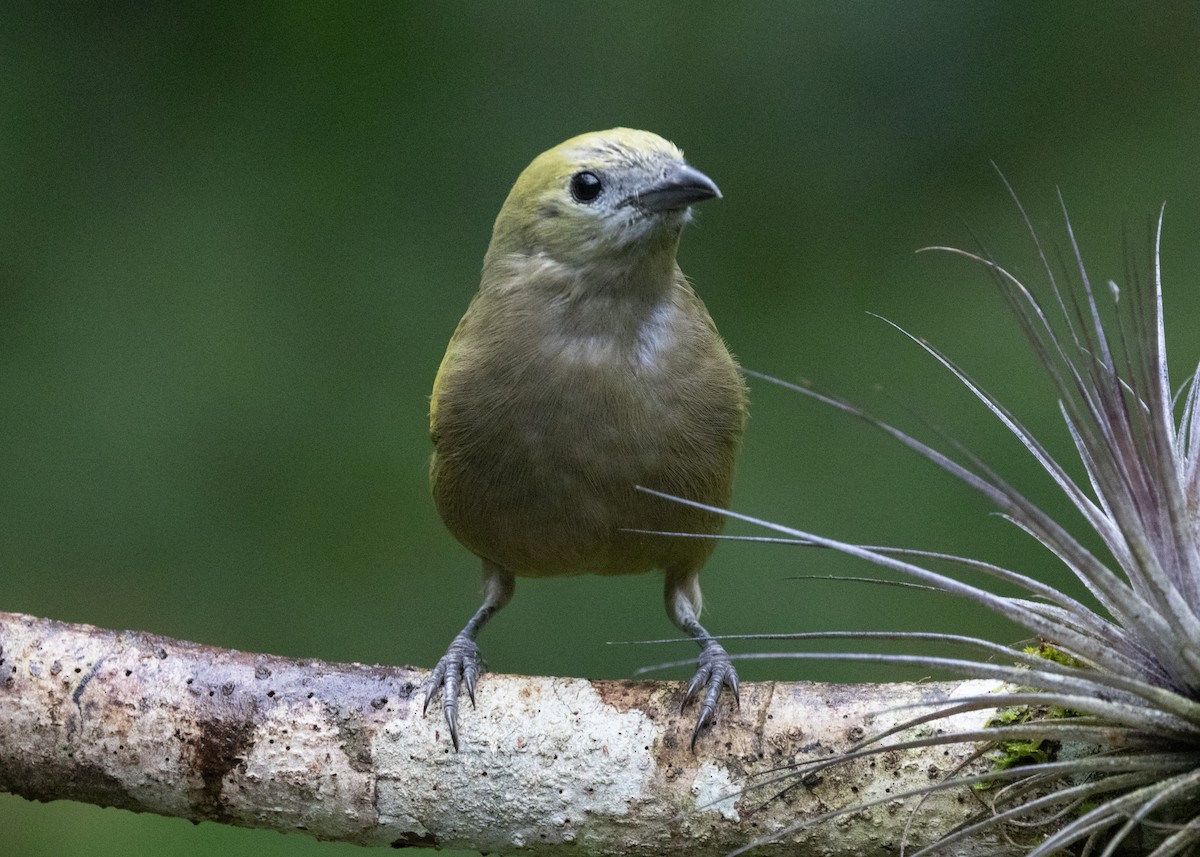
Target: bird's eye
585	186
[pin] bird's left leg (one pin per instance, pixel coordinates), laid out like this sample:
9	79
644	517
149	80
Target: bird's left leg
682	595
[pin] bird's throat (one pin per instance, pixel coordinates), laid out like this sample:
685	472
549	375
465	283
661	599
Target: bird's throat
622	325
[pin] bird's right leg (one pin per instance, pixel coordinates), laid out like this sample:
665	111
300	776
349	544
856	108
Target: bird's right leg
461	663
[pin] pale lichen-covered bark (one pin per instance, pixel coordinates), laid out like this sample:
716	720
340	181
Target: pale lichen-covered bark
548	765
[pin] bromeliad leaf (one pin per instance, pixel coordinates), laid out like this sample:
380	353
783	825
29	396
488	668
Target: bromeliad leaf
1123	679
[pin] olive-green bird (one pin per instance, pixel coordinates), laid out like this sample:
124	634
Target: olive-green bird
585	366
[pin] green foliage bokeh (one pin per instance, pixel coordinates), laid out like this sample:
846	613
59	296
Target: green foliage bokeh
234	241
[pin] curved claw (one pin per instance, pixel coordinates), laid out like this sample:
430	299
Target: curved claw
457	668
715	672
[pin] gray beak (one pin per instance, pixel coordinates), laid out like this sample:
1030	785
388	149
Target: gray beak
679	188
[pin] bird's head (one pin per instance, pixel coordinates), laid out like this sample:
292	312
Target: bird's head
601	198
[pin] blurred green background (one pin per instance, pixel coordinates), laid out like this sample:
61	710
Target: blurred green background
234	242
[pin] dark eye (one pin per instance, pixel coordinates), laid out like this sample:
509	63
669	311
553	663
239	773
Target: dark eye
585	186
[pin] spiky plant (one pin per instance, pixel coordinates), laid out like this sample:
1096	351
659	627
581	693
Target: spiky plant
1117	678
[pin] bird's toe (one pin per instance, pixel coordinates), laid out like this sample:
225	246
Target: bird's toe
715	672
458	668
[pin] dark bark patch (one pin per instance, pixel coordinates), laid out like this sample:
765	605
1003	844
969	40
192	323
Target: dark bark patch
217	750
417	840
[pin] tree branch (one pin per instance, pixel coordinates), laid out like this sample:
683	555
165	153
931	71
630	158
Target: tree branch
548	765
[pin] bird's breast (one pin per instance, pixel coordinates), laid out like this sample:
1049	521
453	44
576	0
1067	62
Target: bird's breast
540	446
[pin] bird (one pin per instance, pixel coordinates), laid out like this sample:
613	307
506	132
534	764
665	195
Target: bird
586	367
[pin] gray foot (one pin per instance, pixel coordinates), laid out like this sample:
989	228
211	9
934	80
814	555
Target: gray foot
716	671
458	667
